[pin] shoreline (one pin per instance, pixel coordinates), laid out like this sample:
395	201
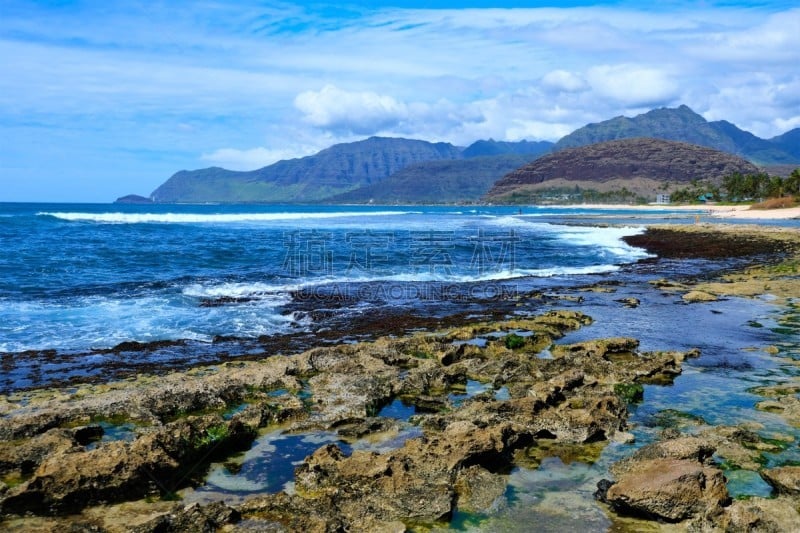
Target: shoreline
187	413
714	211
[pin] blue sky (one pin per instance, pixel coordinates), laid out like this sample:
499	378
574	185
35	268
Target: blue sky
100	99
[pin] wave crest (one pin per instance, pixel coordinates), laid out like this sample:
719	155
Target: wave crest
198	218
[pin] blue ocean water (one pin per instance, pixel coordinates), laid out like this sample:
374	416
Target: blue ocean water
79	277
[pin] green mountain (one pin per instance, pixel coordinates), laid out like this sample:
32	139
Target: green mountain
335	170
625	169
683	124
789	142
437	182
492	147
392	170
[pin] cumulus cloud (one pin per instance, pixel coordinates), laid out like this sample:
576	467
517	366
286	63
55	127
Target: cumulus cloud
775	40
563	81
357	112
536	129
632	85
252	158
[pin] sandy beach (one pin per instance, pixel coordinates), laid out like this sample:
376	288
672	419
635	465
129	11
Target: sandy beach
716	211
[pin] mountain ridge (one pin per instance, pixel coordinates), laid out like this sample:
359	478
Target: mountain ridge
355	170
334	170
684	125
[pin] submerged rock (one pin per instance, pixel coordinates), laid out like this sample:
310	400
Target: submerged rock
478	490
629	302
698	296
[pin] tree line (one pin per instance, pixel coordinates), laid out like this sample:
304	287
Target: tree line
739	187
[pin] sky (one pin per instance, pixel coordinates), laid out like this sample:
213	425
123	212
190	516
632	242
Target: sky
99	99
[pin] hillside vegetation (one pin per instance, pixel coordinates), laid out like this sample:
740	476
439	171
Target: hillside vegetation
437	182
642	166
338	169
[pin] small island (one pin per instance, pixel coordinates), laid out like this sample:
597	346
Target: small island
133	199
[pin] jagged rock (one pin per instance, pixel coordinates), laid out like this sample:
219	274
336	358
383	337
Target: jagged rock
565	400
739	447
478	489
682	448
357	428
415	482
552	391
668	489
668	480
157	461
624	437
26	456
193	518
783	479
596	348
663	283
758	515
283	512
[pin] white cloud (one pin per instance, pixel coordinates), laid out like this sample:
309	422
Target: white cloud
632	85
563	81
537	129
253	158
357	112
773	40
788	124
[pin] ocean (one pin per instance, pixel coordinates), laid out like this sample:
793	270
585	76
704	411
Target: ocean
84	277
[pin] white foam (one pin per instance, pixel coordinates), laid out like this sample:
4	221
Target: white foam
240	290
100	322
519	222
215	218
609	239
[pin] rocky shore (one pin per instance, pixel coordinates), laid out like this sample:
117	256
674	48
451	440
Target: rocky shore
116	456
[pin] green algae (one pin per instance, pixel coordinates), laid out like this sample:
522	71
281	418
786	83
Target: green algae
630	392
675	419
213	435
533	456
513	341
14	479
